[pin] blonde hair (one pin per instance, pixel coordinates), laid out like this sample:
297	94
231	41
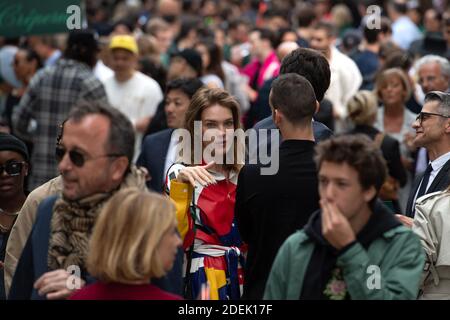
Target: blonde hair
362	108
124	243
392	72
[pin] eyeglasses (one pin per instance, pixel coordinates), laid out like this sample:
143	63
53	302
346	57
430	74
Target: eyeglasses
425	115
12	168
77	158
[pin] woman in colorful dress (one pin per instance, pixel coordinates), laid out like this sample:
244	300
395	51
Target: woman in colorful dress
210	163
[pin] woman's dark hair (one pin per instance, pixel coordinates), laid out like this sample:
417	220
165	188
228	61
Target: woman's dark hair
215	58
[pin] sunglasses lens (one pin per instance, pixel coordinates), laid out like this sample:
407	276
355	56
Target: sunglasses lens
13	168
59	153
76	158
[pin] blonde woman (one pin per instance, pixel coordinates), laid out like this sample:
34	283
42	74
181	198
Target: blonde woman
362	111
432	225
134	240
393	89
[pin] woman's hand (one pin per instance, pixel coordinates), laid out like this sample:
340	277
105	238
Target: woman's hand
197	173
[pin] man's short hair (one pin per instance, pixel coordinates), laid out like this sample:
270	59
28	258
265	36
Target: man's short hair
399	6
329	28
305	15
294	96
442	97
370	33
121	132
310	64
358	152
267	34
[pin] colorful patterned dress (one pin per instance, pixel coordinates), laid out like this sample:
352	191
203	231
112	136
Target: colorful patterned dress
213	247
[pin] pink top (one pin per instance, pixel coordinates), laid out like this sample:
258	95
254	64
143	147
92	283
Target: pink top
269	69
118	291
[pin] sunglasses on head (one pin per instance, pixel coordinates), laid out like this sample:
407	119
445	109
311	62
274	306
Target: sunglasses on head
76	157
12	168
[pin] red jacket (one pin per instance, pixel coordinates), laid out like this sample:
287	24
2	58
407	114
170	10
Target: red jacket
119	291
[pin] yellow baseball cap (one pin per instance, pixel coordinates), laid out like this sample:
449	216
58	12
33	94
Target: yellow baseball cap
124	42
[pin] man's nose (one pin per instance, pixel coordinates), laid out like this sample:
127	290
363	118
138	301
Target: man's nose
329	192
416	124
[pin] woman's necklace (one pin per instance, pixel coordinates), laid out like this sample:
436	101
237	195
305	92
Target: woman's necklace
4	229
6	213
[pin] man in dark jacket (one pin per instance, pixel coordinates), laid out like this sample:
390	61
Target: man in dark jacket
269	208
312	65
432	133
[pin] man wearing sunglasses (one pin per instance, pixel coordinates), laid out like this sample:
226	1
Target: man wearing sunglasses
94	158
13	169
432	127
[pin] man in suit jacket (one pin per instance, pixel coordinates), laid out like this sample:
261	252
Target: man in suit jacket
433	133
159	149
312	65
269	208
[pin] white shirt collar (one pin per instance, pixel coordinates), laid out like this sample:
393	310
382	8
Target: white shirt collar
438	163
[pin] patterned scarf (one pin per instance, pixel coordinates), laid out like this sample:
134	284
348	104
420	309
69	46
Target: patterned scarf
72	223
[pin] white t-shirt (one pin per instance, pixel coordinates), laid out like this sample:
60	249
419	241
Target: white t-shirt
137	98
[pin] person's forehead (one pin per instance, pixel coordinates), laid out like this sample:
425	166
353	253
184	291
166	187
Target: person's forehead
217	112
119	52
430	67
337	170
8	155
177	93
255	35
20	54
90	133
320	33
430	105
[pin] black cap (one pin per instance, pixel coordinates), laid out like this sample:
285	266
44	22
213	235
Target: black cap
192	57
84	37
8	142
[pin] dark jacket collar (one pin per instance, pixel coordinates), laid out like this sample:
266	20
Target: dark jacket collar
297	144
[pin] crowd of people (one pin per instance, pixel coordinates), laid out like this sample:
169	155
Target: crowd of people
122	172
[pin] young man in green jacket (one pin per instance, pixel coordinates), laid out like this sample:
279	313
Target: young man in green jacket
353	248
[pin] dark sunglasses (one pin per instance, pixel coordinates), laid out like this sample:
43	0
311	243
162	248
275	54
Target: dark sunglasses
13	168
425	115
77	158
